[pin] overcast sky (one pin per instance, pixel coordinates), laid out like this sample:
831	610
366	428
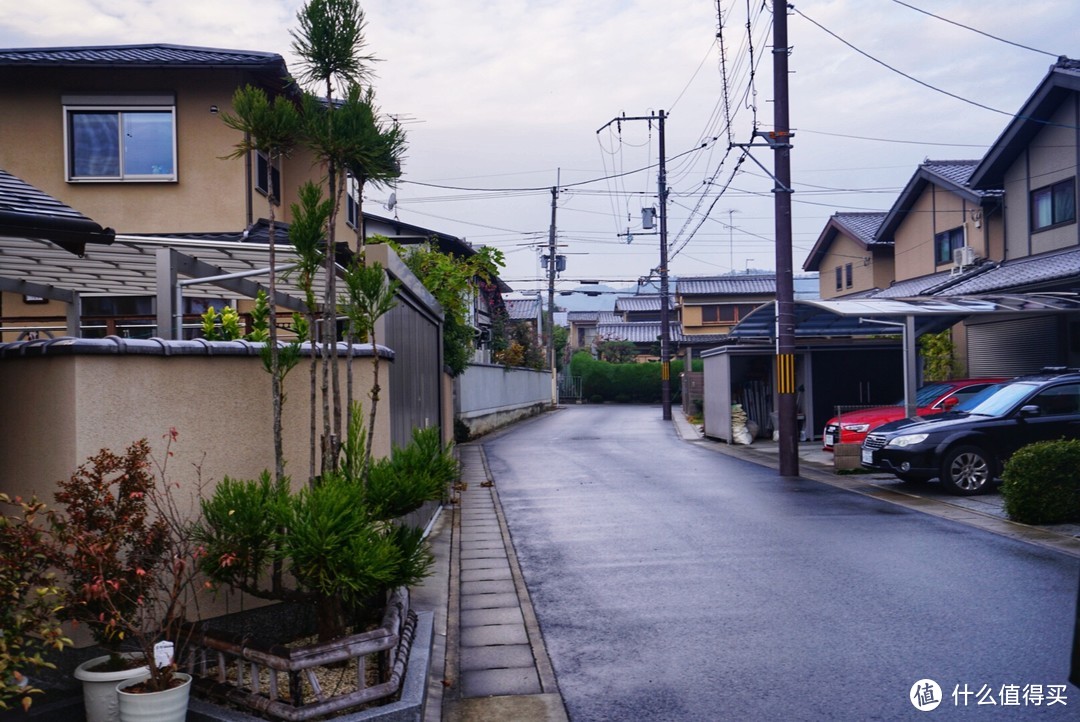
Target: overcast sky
504	97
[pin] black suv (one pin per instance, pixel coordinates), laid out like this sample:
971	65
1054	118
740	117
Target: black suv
966	448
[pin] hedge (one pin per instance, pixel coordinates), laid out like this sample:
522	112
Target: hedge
1041	483
624	383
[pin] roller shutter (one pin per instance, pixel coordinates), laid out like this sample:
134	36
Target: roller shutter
1010	348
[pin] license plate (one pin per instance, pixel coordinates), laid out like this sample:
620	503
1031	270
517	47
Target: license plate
830	440
867	456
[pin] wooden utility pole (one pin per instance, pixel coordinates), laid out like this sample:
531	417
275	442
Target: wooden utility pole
780	140
552	261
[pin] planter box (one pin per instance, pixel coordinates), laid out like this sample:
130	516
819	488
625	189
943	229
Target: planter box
409	707
271	679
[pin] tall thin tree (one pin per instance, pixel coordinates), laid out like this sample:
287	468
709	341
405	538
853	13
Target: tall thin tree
330	43
270	128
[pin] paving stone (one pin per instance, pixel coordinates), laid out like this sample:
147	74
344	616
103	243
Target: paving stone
486	575
481	536
488	601
496	553
488	682
499	586
501	657
491	562
483	544
480	524
487	617
493	634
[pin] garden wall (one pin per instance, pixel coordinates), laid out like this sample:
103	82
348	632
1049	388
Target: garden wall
489	396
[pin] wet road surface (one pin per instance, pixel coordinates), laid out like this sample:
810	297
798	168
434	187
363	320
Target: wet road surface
675	583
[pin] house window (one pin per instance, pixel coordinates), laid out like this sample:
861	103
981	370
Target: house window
725	313
352	201
945	243
848	275
268	177
839	278
120	138
1053	205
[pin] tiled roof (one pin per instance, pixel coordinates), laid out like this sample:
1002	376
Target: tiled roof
1059	84
726	285
913	286
154	55
649	332
958	172
860	226
522	309
582	316
26	212
1021	273
647	302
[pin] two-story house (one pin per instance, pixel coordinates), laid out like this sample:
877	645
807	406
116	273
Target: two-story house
848	256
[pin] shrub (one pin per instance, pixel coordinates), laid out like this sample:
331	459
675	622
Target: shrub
1042	483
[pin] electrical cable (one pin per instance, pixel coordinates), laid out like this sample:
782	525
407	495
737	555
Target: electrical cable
976	30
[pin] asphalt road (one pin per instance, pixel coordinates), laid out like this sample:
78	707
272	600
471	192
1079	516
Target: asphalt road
675	583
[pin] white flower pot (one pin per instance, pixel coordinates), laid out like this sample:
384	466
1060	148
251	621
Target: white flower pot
168	706
99	688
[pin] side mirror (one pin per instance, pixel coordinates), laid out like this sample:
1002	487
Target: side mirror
1030	410
949	402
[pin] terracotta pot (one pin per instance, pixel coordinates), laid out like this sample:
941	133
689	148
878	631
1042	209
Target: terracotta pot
167	706
99	688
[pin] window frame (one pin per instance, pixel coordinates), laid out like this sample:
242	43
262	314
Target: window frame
849	275
118	105
950	236
1049	192
352	204
262	182
738	311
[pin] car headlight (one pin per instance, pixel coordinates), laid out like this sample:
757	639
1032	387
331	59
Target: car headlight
908	440
856	428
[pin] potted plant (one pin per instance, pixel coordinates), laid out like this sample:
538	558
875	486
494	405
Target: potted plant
125	548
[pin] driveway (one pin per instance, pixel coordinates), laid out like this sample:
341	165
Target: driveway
673	583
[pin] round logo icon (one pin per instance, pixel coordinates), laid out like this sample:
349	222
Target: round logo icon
925	695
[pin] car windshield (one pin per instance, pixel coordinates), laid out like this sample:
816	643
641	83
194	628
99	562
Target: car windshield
996	400
926	394
977	398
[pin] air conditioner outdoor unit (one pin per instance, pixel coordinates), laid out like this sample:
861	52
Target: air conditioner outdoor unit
963	256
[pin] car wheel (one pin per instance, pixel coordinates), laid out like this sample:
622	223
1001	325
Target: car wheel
967	470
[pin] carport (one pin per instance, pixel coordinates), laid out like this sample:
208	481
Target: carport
863	329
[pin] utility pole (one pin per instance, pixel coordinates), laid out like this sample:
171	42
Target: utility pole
780	140
551	297
665	316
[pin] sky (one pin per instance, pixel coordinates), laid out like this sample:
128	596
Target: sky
504	99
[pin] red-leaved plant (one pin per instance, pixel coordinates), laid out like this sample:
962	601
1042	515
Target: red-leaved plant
127	553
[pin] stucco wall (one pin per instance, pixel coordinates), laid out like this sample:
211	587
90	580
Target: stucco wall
864	276
55	412
493	396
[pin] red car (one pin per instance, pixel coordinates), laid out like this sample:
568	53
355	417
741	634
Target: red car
934	398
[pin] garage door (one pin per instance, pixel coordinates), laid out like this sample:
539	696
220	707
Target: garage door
1011	348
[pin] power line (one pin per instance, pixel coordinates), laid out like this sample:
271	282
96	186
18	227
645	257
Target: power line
898	71
976	30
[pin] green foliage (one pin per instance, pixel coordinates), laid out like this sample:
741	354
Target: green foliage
307	234
522	349
617	352
939	356
368	296
562	340
271	127
330	40
622	382
451	280
260	319
336	538
224	326
30	599
1042	483
419	472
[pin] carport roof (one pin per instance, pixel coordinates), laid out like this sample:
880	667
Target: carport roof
129	267
845	317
